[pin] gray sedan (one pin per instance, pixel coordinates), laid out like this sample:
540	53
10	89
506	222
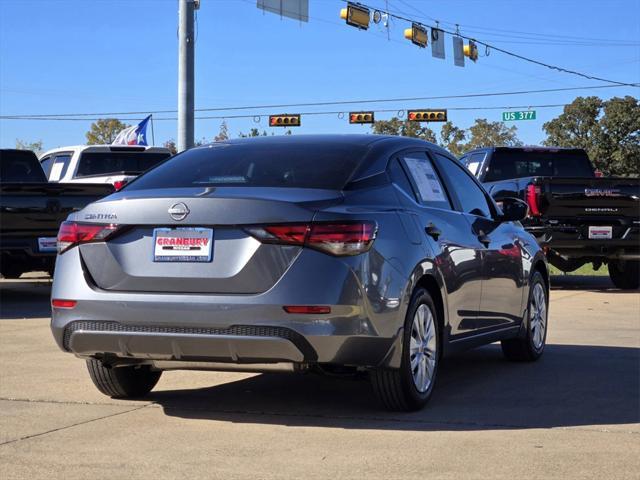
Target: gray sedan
338	254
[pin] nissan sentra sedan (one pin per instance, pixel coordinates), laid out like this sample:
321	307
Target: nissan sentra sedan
328	254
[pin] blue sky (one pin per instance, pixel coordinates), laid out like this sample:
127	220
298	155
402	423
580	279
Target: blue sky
73	56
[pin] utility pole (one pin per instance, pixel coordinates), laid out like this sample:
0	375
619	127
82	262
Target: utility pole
185	73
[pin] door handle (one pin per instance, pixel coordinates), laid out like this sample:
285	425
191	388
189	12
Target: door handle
484	239
433	231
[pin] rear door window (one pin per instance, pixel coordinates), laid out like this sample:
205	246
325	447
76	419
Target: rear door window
471	197
114	163
60	166
47	163
425	180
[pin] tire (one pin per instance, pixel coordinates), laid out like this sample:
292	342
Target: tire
530	347
123	382
627	278
398	389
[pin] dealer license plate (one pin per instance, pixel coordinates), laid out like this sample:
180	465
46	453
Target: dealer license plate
47	244
600	233
182	245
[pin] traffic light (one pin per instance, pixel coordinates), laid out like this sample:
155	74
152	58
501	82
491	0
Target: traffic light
427	115
356	16
361	117
284	120
471	51
417	35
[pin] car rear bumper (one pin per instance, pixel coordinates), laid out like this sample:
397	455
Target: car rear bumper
236	329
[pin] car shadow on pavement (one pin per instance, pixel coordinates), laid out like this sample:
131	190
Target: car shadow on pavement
569	386
25	298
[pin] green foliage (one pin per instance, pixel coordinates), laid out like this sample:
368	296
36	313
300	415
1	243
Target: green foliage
481	133
608	130
403	128
104	131
254	132
171	145
452	138
33	146
484	133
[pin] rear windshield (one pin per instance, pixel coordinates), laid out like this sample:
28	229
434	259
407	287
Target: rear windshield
542	163
20	167
111	163
259	165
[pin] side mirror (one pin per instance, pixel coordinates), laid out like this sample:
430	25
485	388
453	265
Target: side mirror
513	209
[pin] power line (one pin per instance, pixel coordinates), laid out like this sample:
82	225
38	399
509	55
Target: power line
316	104
502	50
258	116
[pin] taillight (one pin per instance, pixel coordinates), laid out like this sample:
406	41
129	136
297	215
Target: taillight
118	184
335	238
533	192
73	233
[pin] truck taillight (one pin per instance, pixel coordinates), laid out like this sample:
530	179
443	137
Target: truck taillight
74	233
533	192
340	239
118	184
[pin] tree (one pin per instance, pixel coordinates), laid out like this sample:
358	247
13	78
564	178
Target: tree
254	132
223	134
609	131
104	131
403	128
33	146
484	133
171	145
621	137
452	138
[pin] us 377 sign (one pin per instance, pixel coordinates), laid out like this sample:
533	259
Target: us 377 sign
513	116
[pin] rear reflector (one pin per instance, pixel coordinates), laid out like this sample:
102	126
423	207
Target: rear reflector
118	184
306	309
58	303
532	200
340	239
73	233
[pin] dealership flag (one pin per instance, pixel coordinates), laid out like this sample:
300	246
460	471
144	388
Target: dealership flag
136	135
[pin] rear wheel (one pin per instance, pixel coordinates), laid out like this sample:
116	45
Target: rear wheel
123	382
625	276
531	346
410	387
11	270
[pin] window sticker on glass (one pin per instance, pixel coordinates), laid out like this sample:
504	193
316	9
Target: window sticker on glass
426	179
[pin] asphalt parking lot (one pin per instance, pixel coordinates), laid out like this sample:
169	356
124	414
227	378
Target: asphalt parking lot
573	414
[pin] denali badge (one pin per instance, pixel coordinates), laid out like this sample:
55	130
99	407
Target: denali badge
179	211
601	192
100	216
601	210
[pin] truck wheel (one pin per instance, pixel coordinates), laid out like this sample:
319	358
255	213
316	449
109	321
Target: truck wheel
410	387
123	382
626	278
531	346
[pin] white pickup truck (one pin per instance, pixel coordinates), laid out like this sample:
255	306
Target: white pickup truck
114	164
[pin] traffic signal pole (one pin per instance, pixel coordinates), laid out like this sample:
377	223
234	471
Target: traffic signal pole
185	74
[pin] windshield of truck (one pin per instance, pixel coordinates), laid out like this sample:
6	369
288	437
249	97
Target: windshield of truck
519	163
113	163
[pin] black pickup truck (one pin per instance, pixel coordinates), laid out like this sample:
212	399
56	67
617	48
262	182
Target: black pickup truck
31	210
576	216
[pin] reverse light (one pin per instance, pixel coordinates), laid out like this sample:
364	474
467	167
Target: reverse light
74	233
60	303
532	194
306	309
339	239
